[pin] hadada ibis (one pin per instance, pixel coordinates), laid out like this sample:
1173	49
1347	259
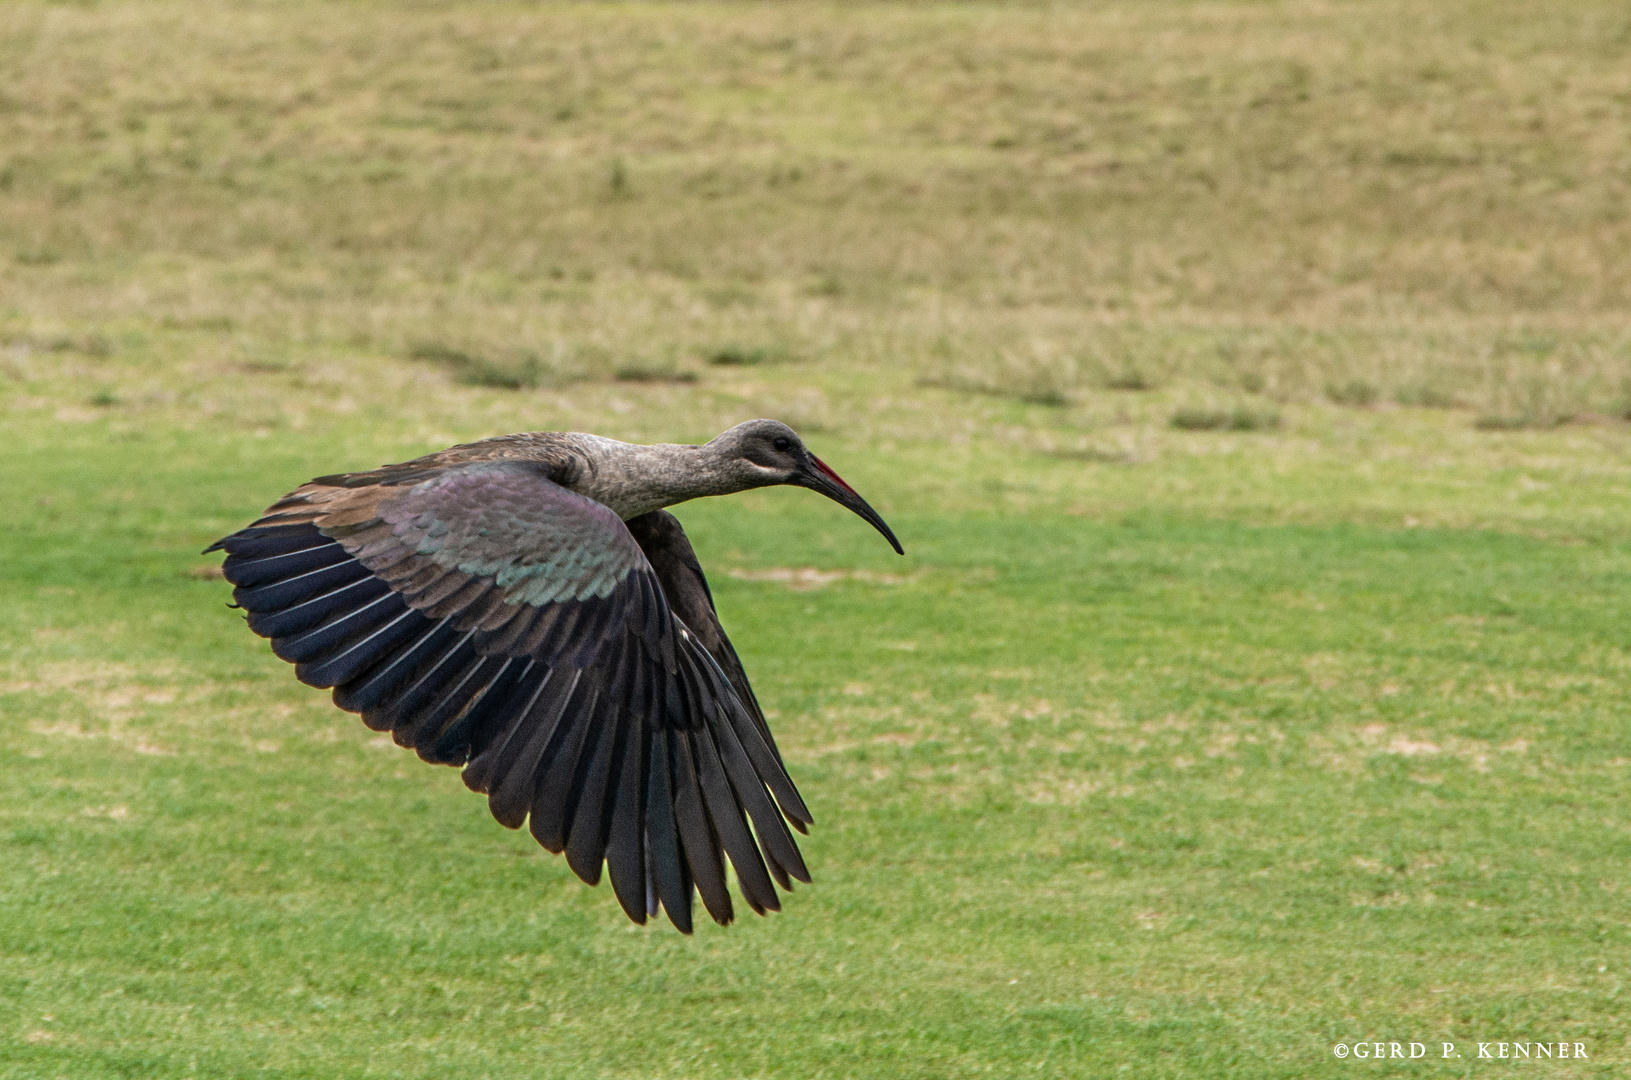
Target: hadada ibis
525	608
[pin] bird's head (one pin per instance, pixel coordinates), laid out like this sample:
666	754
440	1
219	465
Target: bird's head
763	453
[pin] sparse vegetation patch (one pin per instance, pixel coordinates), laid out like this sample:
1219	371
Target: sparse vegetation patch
1238	418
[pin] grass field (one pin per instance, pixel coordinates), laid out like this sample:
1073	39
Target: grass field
1247	383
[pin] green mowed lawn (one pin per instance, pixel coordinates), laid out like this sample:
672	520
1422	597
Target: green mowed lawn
1147	793
1248	381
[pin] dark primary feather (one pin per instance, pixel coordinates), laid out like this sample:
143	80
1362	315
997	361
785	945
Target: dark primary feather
573	665
676	566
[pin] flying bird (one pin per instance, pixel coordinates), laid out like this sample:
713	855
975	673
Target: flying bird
525	608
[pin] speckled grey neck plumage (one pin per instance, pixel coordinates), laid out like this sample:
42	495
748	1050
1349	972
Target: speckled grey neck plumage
634	479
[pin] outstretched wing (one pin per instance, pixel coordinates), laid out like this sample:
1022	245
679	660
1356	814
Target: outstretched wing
490	618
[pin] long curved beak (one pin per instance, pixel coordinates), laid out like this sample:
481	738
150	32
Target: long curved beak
818	476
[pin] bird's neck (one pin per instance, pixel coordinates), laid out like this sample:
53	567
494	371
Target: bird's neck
634	479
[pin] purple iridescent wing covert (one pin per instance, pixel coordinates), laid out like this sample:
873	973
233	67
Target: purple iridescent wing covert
490	618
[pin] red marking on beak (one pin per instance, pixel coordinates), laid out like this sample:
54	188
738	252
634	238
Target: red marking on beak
834	477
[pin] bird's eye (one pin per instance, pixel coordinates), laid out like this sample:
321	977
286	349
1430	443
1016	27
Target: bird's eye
782	443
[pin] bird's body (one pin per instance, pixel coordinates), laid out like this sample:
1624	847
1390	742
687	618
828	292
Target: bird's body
523	607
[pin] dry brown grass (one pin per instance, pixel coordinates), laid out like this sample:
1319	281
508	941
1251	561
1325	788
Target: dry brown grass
1358	202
